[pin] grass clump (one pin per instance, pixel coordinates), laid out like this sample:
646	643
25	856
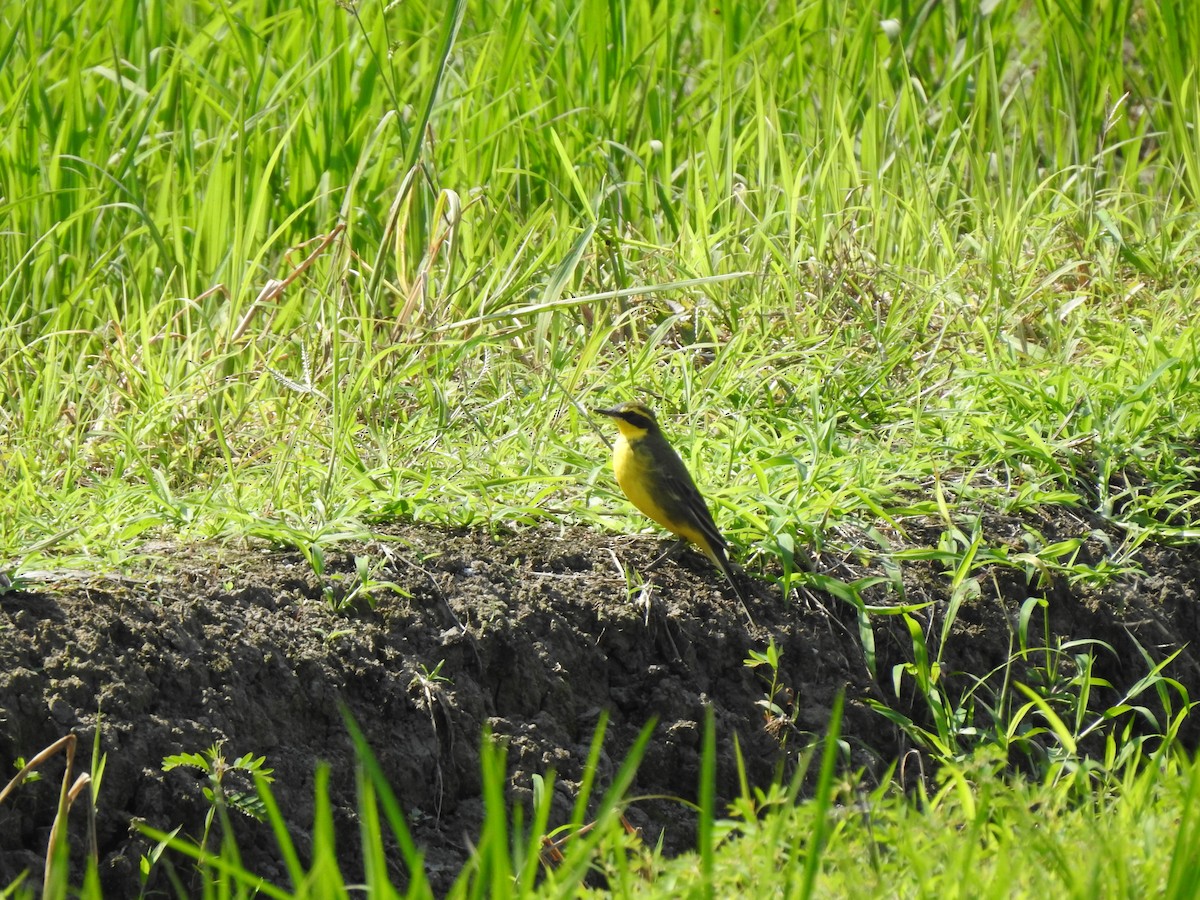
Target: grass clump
973	831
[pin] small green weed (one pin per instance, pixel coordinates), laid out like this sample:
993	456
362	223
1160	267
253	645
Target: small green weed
219	770
779	705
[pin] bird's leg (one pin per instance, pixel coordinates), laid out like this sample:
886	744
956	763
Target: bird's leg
670	553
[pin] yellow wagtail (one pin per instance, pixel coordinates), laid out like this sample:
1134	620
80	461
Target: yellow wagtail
653	476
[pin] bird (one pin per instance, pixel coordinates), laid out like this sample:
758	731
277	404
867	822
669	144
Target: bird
655	479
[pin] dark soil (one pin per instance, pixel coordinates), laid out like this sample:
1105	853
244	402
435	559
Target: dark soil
534	635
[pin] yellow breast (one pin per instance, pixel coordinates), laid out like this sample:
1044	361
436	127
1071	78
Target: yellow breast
635	474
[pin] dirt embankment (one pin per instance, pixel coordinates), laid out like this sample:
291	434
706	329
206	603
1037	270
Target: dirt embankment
532	635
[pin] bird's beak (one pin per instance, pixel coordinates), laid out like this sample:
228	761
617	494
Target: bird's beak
611	413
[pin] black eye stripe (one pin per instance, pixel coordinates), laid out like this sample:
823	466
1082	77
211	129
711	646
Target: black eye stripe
637	420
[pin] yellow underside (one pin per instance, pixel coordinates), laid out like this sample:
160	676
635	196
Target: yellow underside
632	472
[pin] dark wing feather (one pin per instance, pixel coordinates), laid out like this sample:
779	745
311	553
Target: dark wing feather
682	498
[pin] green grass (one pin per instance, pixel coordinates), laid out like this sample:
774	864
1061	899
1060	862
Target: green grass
965	255
972	831
973	834
872	260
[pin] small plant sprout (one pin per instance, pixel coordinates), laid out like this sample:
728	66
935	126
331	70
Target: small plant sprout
779	703
365	586
428	685
218	768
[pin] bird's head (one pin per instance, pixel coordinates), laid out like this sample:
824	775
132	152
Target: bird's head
633	418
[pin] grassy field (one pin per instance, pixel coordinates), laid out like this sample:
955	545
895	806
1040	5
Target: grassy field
283	270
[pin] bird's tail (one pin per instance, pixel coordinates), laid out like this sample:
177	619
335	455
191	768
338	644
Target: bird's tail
720	559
